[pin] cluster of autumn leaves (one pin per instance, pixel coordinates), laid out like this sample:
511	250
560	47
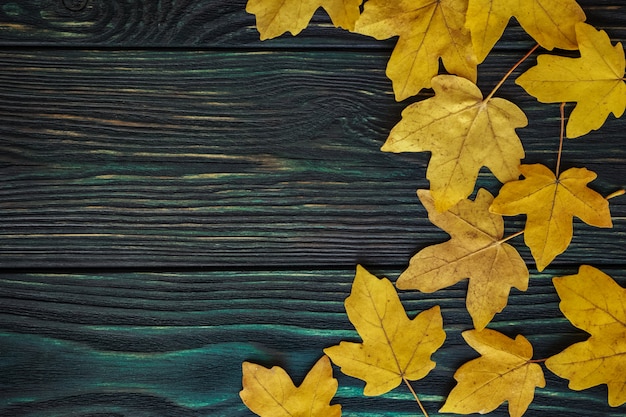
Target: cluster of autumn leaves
465	131
396	349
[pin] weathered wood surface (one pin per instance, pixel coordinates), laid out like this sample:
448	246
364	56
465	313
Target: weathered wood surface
170	158
155	344
206	23
177	197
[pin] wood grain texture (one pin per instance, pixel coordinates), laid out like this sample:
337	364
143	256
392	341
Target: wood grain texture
179	159
208	23
155	344
163	136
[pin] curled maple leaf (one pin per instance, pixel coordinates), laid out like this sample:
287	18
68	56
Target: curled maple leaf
503	372
475	251
394	347
270	392
595	303
595	81
464	132
275	17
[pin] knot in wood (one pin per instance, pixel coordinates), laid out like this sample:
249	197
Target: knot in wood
75	5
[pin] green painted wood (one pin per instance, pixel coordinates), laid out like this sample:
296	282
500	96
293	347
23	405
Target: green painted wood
180	159
163	136
207	23
155	344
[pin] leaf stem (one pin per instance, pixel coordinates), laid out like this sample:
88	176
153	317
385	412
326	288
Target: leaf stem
511	237
537	360
615	194
408	384
508	74
561	135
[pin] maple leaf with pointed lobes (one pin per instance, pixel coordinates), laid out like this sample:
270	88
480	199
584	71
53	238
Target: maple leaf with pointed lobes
550	205
595	81
464	132
271	393
595	303
503	372
275	17
549	22
394	348
427	30
475	251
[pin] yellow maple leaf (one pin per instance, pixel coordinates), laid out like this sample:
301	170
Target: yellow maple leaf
271	393
550	205
475	251
595	303
275	17
463	132
394	348
595	81
503	372
549	22
427	30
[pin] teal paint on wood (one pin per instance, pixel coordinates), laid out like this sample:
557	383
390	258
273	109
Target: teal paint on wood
185	377
85	342
164	137
179	159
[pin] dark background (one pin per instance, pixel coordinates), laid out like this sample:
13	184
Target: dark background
177	197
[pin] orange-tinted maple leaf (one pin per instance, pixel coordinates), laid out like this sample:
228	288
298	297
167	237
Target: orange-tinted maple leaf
550	22
550	205
271	393
475	251
275	17
394	347
464	132
595	81
503	372
595	303
427	30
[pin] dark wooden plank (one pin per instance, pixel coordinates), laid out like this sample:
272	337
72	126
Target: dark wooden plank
181	159
209	23
172	344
